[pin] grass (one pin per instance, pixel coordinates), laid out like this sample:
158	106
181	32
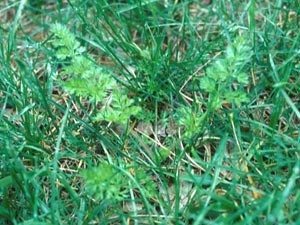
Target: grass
216	137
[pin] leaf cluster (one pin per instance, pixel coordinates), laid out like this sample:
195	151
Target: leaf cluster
223	83
191	120
104	182
225	78
89	80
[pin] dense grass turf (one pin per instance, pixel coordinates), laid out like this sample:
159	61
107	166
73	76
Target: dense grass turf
149	112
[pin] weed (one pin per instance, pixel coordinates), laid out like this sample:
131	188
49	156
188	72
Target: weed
149	112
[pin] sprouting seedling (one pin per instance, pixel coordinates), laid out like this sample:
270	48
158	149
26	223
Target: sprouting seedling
104	182
224	83
191	120
225	78
85	78
65	42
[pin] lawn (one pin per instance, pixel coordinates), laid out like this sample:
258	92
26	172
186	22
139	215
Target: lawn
149	112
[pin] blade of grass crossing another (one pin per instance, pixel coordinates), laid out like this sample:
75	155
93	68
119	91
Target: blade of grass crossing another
54	176
216	164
